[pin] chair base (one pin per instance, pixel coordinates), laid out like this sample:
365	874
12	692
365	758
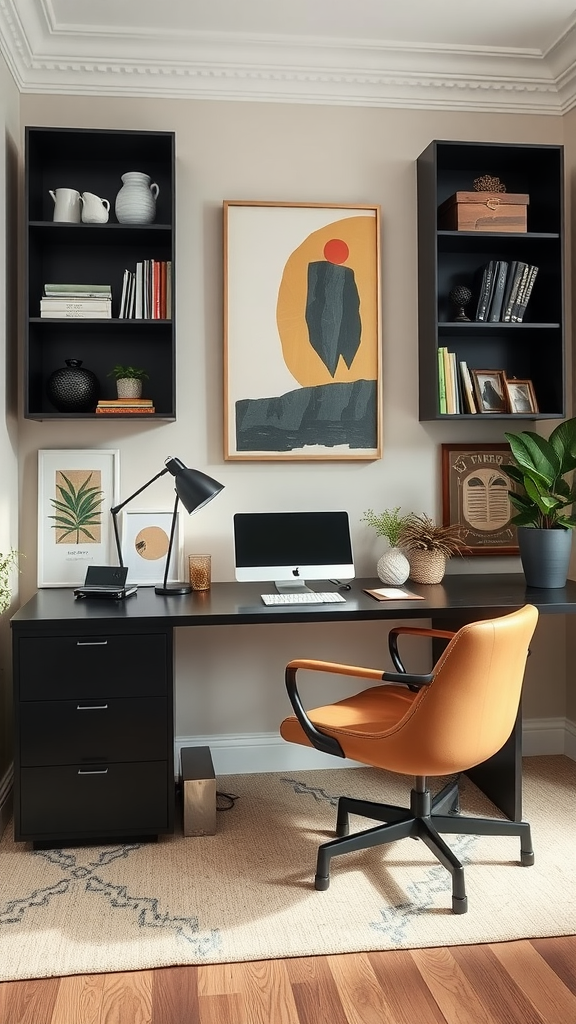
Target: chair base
424	819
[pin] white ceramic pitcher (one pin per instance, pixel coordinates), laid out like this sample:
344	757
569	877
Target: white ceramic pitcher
94	209
66	205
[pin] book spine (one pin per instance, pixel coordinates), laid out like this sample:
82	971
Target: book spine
520	292
450	401
506	316
467	387
523	300
78	314
455	383
70	305
78	289
485	291
498	293
100	411
441	382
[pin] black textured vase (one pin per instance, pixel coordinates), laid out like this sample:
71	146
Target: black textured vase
72	388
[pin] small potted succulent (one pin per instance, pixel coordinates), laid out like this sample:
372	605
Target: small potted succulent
428	547
128	380
393	567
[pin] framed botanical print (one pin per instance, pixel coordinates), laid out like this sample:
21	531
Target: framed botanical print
475	497
76	490
302	331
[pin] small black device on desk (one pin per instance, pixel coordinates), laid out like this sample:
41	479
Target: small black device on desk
106	581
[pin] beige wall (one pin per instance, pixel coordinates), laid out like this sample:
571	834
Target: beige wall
9	144
301	153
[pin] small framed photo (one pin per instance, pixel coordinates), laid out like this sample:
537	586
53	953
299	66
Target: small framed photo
490	390
145	540
521	396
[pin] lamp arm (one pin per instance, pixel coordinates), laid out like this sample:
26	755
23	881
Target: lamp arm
116	509
169	554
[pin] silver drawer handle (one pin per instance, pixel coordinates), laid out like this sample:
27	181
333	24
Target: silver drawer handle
91	707
103	771
91	643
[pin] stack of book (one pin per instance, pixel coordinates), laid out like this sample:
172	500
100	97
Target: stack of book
125	406
76	302
503	290
455	390
147	291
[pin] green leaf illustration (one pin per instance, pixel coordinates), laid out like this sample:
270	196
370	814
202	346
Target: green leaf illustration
77	509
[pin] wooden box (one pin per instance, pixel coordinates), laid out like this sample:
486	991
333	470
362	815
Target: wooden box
484	211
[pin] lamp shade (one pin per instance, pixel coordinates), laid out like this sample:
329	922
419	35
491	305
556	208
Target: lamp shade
194	488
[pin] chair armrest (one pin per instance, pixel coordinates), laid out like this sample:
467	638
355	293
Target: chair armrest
320	740
394	633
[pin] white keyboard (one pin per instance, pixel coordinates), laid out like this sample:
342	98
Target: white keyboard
312	598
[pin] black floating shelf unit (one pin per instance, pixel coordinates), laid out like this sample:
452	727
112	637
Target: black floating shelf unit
532	350
93	160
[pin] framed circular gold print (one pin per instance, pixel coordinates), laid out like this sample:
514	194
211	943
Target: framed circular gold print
145	540
475	497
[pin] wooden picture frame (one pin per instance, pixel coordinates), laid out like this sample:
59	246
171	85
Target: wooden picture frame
76	490
521	396
475	497
302	369
490	391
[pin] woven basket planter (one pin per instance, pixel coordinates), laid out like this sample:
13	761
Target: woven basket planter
427	566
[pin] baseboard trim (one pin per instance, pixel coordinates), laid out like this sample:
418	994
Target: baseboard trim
244	754
6	798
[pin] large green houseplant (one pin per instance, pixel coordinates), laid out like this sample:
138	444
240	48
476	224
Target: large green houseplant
544	471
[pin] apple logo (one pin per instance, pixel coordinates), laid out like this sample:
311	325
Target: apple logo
296	572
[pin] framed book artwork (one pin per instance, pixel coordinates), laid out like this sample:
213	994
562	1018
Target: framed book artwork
145	540
76	490
489	390
521	396
475	497
302	331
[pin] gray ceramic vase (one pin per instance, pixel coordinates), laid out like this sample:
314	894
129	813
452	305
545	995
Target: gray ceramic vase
545	556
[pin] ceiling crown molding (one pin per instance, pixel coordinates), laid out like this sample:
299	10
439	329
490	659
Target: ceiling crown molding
48	59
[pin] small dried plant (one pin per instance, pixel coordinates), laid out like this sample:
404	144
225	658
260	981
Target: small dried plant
388	523
7	563
489	183
422	534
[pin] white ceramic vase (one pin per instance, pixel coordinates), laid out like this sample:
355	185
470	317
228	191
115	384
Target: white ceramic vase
393	567
136	200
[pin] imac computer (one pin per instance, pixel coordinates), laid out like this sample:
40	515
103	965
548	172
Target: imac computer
288	548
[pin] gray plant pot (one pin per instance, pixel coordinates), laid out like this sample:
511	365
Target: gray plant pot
545	556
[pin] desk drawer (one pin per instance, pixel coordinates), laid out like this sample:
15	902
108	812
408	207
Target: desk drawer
70	801
81	667
93	731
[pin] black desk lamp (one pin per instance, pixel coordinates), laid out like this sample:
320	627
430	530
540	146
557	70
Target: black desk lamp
194	489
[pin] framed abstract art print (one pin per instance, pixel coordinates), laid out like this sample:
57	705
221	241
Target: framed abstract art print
302	331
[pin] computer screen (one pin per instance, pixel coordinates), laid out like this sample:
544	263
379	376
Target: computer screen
287	548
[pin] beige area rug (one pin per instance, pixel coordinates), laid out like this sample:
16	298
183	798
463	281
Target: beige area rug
247	893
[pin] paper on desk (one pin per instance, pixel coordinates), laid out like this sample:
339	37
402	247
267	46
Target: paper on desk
393	594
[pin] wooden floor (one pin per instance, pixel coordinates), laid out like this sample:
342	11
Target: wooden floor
524	982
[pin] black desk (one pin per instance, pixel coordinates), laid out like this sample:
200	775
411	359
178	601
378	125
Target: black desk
94	694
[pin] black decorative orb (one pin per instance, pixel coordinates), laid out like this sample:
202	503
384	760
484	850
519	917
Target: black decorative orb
73	388
460	297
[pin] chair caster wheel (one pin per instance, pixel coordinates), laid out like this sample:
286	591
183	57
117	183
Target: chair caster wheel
526	859
321	882
459	906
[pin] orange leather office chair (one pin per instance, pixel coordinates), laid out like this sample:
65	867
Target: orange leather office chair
437	724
